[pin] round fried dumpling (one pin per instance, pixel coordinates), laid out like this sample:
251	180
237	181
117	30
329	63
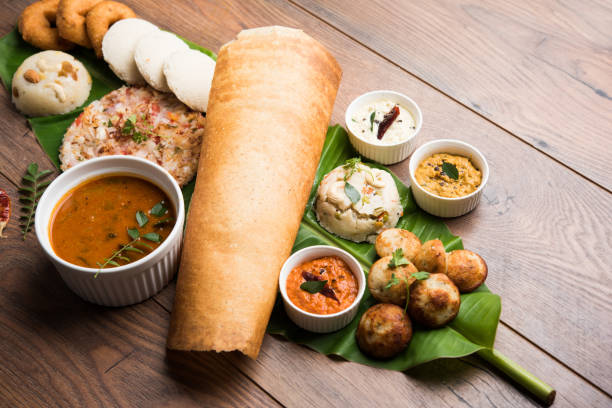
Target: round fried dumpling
384	331
434	301
381	275
373	205
431	257
393	238
50	83
466	269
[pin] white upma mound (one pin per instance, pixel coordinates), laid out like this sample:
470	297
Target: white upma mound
189	75
50	83
119	44
151	52
378	205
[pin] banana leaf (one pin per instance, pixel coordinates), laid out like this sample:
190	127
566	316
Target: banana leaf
49	130
473	331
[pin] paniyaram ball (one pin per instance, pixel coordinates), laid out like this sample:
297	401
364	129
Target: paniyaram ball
150	54
119	44
394	238
466	269
189	75
434	301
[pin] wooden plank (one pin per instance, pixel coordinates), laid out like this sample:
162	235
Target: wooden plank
297	376
533	229
540	69
58	350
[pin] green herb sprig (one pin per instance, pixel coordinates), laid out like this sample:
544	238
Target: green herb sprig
314	286
350	167
450	170
398	259
372	116
399	253
120	254
351	192
31	189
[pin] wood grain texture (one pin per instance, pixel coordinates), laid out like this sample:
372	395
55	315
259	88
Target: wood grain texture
58	350
297	376
533	230
540	69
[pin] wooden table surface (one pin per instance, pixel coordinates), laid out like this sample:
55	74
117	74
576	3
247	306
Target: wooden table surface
527	82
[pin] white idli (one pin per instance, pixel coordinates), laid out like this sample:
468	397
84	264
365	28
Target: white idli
151	52
119	44
189	74
50	83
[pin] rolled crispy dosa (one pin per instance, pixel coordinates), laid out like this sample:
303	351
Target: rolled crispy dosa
270	104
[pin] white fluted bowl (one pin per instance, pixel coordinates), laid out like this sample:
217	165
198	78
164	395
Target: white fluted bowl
127	284
378	152
320	323
445	206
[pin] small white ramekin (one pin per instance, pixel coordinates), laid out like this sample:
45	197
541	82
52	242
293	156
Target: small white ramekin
383	153
127	284
315	322
443	206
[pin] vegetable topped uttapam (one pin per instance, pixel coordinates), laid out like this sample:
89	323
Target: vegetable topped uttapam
137	121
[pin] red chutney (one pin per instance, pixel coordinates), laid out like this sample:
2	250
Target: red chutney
339	278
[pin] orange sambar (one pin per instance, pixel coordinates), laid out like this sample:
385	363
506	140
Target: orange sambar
90	222
339	278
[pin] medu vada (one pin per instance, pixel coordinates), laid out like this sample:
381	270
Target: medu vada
71	20
101	17
37	26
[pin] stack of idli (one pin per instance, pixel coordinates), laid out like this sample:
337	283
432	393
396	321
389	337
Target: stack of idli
138	52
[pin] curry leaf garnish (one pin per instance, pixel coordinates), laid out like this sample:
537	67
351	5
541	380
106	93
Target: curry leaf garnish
31	190
372	116
133	233
398	259
350	167
352	193
141	218
314	286
450	170
420	275
163	222
130	129
392	282
159	209
152	236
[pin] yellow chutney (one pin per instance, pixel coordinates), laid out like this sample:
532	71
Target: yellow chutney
432	178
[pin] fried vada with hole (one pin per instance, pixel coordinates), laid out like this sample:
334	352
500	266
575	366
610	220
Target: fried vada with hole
434	301
71	20
393	238
37	26
380	277
101	17
384	331
431	257
466	269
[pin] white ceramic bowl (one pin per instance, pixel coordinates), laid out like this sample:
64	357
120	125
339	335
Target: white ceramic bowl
388	153
316	322
443	206
127	284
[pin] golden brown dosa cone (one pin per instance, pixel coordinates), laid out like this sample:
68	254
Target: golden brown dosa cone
270	104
